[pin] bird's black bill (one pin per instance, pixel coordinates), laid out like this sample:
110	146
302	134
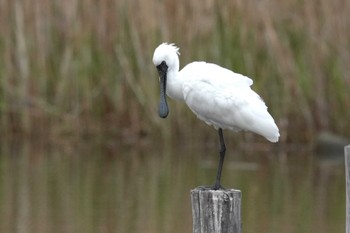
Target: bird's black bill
163	105
163	110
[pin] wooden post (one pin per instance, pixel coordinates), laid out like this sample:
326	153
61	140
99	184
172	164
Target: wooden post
216	211
347	174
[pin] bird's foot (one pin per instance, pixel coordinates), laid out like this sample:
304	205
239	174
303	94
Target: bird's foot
211	187
217	187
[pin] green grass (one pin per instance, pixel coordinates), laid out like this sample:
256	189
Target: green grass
85	68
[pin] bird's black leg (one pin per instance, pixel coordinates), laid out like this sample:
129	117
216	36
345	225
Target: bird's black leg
217	184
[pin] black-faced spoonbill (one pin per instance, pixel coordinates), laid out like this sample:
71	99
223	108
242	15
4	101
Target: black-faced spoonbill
218	96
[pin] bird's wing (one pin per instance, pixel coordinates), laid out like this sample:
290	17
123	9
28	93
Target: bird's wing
210	72
228	102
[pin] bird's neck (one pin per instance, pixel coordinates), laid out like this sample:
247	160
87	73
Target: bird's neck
174	83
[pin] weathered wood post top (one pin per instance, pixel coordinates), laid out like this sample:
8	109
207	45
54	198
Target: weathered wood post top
347	177
216	211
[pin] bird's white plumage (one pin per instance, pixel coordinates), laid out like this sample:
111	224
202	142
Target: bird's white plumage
217	95
168	53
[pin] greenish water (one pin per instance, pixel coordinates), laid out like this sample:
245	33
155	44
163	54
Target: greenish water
92	188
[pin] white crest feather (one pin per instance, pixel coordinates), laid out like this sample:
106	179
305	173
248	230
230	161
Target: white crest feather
173	46
166	52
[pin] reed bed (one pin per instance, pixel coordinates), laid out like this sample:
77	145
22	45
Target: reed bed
84	68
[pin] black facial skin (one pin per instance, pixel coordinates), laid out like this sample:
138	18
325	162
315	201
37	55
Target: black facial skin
163	110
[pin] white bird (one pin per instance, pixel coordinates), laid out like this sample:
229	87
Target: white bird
216	95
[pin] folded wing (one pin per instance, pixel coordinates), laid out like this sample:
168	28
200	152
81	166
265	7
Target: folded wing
225	100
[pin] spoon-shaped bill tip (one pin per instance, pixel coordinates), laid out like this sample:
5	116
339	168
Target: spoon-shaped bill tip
163	109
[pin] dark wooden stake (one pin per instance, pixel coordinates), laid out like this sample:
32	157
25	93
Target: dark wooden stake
216	211
347	174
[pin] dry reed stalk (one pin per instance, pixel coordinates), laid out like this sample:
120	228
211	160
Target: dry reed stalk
79	61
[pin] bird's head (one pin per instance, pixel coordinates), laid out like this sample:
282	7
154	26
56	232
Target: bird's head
165	58
167	53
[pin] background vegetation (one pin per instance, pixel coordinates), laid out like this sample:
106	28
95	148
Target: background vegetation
84	68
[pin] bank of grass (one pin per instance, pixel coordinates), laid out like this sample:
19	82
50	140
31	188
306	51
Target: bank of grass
84	68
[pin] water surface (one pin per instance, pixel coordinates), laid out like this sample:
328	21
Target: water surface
94	188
